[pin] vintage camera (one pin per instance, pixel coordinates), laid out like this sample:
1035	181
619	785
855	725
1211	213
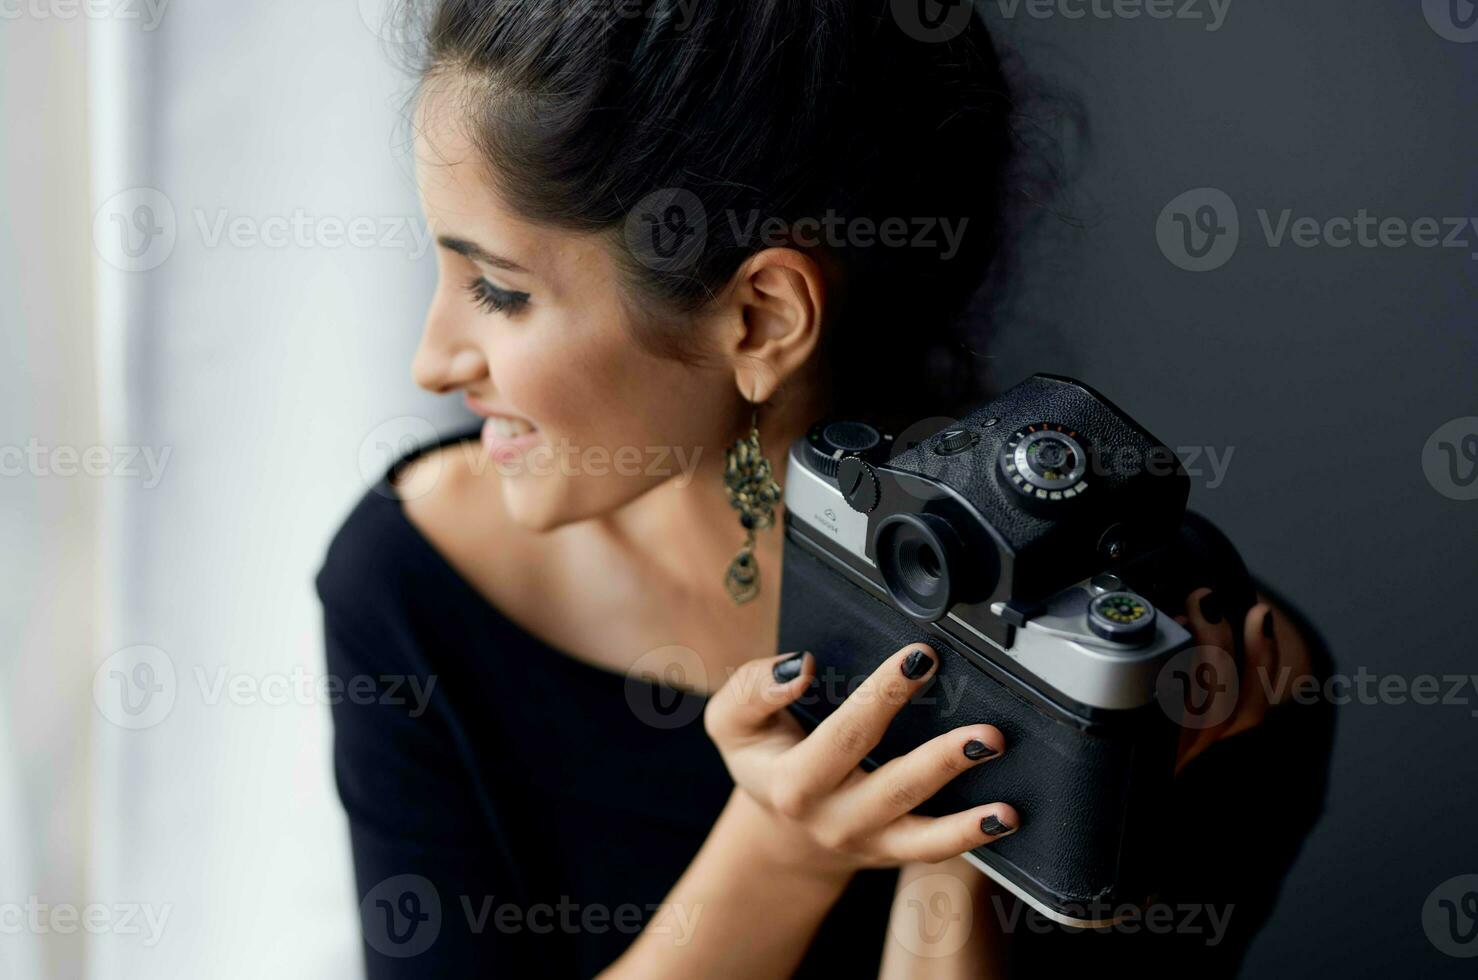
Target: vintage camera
1034	544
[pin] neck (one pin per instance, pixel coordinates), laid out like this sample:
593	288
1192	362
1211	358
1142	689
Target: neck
690	533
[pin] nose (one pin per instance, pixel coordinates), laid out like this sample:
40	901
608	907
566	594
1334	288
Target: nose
447	358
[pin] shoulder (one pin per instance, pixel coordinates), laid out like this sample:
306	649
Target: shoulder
377	561
435	523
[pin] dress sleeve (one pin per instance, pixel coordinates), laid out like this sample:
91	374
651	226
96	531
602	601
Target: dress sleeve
431	860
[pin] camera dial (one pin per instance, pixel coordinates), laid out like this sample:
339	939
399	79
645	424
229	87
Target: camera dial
1122	617
828	443
1045	463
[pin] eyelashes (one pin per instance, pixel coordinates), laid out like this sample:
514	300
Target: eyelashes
491	299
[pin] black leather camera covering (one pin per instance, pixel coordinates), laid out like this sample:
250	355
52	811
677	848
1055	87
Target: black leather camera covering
1087	792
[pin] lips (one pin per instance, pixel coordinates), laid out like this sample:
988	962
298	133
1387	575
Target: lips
505	436
491	412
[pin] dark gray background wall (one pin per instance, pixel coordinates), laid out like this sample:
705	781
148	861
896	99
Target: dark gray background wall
1324	371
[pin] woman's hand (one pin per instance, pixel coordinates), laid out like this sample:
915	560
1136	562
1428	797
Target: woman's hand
1275	655
829	813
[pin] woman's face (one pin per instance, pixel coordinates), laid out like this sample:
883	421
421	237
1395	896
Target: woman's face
527	324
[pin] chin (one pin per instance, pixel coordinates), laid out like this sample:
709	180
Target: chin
544	503
532	505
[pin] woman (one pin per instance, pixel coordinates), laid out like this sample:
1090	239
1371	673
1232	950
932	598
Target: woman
662	227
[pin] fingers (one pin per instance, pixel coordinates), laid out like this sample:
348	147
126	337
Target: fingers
750	703
1260	673
1207	620
838	745
896	787
931	839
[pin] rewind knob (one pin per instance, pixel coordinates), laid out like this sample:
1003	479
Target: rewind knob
858	483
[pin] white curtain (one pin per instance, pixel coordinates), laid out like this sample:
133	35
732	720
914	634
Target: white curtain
238	274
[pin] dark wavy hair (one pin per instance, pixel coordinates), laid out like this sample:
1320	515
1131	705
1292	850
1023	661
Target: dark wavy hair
600	115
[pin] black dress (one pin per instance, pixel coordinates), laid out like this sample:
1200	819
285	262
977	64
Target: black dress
514	811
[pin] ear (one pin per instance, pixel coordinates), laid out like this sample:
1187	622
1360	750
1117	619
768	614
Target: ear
772	319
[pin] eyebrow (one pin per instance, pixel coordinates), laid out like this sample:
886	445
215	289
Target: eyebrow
477	253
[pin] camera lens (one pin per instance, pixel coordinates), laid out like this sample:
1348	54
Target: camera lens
921	561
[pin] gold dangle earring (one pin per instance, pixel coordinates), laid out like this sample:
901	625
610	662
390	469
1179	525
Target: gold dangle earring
754	493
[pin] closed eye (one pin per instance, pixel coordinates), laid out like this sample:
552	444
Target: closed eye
491	299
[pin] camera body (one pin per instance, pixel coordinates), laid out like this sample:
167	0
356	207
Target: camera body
1029	544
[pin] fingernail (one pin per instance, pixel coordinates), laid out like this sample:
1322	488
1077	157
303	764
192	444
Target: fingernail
1267	625
788	669
976	749
917	664
993	826
1211	608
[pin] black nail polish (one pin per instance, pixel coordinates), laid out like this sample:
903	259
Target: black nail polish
994	827
788	669
976	749
1211	608
1267	624
917	664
